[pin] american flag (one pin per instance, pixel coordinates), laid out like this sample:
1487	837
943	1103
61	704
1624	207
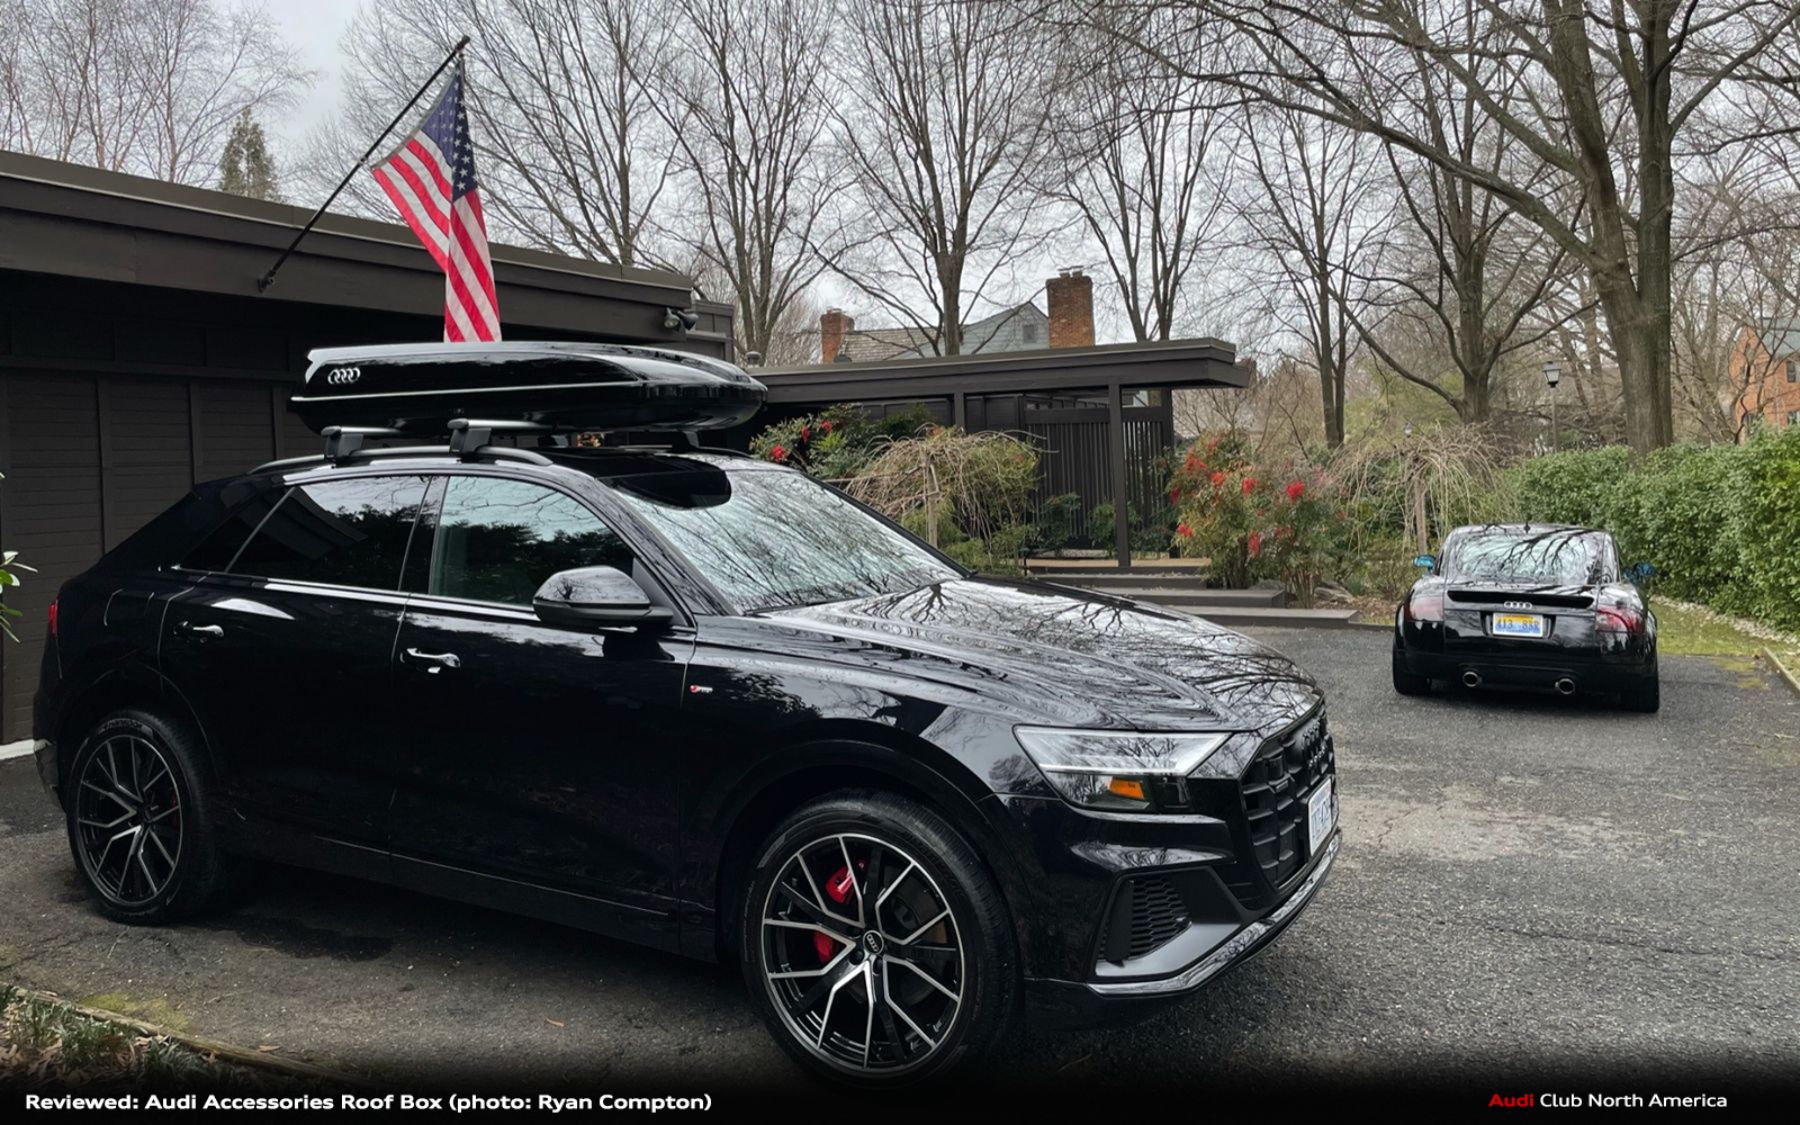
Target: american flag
431	179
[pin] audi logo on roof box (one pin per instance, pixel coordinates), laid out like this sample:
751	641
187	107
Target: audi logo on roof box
343	376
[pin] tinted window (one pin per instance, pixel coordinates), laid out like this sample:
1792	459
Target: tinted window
217	549
769	538
1550	556
344	532
498	540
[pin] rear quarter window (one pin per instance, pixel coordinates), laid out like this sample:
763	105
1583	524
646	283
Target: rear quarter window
341	533
217	549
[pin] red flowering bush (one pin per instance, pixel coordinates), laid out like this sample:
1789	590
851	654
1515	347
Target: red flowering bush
1304	533
834	445
1216	509
1296	531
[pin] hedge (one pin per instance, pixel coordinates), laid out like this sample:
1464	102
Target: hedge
1721	523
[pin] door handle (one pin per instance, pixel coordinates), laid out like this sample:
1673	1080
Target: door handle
204	630
435	662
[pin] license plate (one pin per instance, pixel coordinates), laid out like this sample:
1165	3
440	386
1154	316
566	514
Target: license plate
1518	625
1321	815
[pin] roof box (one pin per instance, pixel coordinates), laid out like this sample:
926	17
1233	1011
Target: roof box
419	388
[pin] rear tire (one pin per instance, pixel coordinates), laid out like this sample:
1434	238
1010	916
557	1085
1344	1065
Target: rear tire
140	820
1405	682
939	961
1645	696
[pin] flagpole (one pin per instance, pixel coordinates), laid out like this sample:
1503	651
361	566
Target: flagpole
268	279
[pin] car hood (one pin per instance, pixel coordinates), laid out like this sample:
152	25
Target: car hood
1062	655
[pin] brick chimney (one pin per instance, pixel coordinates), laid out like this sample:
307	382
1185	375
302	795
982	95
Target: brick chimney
1070	298
834	326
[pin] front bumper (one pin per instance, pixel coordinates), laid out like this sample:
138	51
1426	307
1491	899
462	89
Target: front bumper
46	767
1099	1002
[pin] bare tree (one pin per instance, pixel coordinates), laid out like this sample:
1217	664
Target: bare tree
942	124
1737	270
1461	284
145	86
1307	210
1574	71
748	104
569	135
1147	169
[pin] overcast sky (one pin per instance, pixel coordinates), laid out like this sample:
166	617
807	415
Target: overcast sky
314	26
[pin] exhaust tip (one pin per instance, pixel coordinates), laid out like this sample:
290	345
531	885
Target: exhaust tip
1565	686
1471	679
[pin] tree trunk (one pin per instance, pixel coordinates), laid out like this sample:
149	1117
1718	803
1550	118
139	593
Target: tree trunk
1472	404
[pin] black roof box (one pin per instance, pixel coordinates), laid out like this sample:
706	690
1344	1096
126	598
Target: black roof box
419	388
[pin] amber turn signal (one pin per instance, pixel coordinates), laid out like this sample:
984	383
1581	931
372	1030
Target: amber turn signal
1126	787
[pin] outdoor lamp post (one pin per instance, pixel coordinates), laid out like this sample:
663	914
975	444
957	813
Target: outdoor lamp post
1553	376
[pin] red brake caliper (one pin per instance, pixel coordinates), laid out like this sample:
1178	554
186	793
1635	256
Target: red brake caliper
837	889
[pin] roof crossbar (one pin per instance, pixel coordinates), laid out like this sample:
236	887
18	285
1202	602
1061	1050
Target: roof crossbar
469	435
342	441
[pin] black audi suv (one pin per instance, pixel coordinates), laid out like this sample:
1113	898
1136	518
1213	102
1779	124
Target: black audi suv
1543	606
698	701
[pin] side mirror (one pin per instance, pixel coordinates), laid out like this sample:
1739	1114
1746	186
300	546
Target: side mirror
1641	571
1425	562
591	596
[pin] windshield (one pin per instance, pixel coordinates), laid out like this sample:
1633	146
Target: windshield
1559	556
768	538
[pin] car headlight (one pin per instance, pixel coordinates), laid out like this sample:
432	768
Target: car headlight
1118	769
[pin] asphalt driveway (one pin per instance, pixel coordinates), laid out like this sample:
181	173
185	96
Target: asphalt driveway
1530	887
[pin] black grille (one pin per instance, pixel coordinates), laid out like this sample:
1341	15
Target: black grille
1147	911
1274	788
1157	914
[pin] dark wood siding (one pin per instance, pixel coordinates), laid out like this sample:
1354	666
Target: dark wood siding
90	459
52	515
148	463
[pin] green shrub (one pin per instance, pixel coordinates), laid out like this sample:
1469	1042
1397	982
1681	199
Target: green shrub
1056	522
1721	523
1767	526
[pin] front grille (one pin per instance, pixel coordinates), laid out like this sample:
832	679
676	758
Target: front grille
1274	788
1157	914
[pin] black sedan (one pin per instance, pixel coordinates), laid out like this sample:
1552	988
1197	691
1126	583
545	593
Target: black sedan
1529	605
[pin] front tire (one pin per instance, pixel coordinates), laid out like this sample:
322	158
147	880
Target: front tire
876	946
140	820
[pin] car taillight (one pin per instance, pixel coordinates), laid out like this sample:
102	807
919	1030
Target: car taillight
53	617
1617	619
1425	607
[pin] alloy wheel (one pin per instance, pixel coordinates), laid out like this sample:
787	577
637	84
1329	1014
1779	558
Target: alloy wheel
862	955
128	820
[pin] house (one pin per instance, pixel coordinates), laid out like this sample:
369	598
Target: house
1765	364
137	356
1068	323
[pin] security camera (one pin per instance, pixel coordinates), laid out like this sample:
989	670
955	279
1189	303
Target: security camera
684	319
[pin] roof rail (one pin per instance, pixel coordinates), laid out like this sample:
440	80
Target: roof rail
486	452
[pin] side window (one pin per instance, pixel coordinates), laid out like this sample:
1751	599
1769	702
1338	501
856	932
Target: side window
343	532
498	540
216	551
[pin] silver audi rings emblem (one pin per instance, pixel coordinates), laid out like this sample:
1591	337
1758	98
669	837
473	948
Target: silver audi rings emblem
1515	605
343	376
